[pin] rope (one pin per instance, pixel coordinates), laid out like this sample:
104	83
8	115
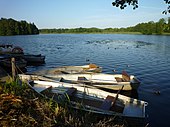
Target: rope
19	69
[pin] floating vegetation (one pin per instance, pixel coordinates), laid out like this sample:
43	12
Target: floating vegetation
139	44
119	44
99	42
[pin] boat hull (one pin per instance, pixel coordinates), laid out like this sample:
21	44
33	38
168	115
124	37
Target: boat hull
91	68
133	109
100	80
34	59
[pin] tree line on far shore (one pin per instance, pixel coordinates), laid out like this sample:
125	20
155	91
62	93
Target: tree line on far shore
12	27
160	27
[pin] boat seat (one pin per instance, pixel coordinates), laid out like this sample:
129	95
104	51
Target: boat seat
60	72
63	96
115	106
92	66
108	103
71	91
119	79
111	98
83	80
125	76
42	89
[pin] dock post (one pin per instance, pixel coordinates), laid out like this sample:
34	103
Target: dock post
13	68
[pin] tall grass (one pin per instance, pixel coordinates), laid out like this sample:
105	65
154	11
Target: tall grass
21	106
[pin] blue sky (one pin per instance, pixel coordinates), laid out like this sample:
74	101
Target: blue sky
81	13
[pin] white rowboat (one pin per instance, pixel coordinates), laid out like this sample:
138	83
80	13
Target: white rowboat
93	100
101	80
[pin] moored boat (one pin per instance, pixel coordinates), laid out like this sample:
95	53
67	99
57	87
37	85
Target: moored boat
10	49
101	80
34	59
16	51
90	68
93	100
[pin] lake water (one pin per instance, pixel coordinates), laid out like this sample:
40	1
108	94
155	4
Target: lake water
145	56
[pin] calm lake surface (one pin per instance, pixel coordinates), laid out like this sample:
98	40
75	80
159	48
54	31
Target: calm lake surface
145	56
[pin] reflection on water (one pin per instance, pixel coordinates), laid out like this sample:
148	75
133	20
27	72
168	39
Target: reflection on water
147	57
133	93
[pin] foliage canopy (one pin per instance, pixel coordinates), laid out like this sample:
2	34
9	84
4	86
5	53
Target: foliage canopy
123	4
13	27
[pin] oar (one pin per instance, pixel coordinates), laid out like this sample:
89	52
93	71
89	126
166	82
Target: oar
114	101
119	92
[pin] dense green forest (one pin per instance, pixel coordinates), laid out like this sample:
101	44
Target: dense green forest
160	27
13	27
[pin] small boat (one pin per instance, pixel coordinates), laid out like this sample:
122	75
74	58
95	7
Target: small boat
10	49
30	58
19	63
92	100
101	80
29	77
90	68
34	59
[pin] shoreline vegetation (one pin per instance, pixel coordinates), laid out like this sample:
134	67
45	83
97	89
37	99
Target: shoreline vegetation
10	27
22	106
132	33
162	27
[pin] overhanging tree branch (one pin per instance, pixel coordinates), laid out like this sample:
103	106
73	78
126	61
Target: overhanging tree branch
168	8
124	3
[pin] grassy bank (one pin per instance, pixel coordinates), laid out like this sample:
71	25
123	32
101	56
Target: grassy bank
21	106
